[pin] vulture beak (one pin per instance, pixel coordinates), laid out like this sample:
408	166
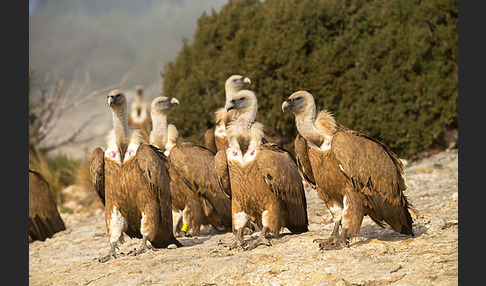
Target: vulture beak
111	100
285	105
174	101
246	80
230	105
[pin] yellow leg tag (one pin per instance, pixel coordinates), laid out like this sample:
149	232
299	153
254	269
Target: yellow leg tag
184	227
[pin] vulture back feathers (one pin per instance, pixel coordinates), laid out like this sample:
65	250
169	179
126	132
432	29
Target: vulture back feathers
194	186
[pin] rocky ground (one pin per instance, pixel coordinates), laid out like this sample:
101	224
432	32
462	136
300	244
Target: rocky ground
377	257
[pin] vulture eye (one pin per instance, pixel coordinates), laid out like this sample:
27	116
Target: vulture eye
298	99
118	95
243	99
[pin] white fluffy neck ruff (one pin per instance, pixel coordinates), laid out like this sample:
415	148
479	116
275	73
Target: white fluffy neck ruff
317	130
113	151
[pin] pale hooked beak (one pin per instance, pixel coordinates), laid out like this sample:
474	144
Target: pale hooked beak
174	101
230	105
111	100
285	105
247	80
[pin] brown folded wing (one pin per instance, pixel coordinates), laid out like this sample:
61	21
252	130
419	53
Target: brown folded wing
278	168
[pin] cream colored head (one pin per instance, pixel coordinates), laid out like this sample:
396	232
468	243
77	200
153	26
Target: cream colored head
162	104
117	101
245	102
234	84
300	103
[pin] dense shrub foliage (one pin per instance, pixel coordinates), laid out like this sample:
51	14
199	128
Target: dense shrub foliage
388	69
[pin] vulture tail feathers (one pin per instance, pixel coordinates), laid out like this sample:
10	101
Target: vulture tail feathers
163	243
40	229
397	216
298	229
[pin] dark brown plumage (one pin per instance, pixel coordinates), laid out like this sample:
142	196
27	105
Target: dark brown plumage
354	174
194	186
265	183
132	181
44	219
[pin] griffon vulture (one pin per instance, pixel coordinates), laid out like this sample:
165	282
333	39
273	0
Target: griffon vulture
215	138
44	219
266	186
194	186
354	174
133	183
139	116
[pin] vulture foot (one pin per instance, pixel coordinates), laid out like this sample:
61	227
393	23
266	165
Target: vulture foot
332	243
138	251
261	240
143	248
107	257
239	245
111	253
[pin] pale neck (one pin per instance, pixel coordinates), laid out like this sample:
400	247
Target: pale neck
120	128
308	129
230	92
246	118
159	130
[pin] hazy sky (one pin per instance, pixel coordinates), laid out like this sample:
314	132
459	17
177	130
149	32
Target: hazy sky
109	38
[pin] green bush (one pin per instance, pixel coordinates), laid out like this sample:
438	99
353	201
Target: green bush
388	69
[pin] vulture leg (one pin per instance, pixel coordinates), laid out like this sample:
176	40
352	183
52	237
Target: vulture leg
238	242
261	240
333	240
143	248
335	230
111	253
240	220
350	219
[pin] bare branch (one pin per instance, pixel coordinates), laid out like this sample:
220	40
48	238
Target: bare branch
54	101
71	138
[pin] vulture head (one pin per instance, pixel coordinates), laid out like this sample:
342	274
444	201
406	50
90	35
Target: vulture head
139	91
300	102
244	101
234	84
162	104
117	101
